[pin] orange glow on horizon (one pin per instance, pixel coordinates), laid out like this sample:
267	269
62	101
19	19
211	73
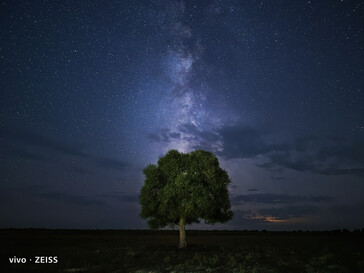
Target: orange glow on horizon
273	219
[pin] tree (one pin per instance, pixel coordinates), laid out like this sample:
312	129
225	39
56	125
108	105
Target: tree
184	188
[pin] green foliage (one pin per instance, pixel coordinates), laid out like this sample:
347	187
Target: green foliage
191	186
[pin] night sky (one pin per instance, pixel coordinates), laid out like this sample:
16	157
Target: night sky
93	91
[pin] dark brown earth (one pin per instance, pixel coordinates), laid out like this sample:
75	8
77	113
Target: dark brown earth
157	251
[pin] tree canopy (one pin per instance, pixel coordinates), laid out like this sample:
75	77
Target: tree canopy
184	188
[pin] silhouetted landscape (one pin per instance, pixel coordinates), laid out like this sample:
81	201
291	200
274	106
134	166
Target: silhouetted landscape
192	118
207	251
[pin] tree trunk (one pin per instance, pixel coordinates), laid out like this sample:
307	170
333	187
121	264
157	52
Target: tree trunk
182	233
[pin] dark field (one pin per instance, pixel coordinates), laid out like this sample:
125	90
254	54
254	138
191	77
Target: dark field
207	251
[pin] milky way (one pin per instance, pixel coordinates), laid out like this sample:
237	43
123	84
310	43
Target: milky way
183	103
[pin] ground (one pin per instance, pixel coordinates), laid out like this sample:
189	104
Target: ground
157	251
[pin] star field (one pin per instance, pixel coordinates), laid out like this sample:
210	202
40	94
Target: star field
94	91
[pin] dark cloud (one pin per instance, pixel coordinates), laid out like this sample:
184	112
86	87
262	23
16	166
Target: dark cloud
344	163
111	163
278	178
28	137
284	159
302	144
202	135
163	135
266	165
336	139
154	137
29	189
353	151
122	197
191	133
274	218
271	198
203	145
330	156
353	211
189	129
128	198
33	139
348	171
287	212
21	153
242	142
175	135
304	154
68	198
346	215
252	190
82	171
245	219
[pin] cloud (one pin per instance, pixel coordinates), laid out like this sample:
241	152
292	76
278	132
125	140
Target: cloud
27	137
245	219
39	191
129	198
271	198
275	218
22	153
334	171
302	144
16	137
111	163
353	151
252	190
241	142
287	212
349	213
7	191
188	132
342	163
302	162
202	135
278	178
164	135
122	197
81	170
330	156
175	135
71	198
